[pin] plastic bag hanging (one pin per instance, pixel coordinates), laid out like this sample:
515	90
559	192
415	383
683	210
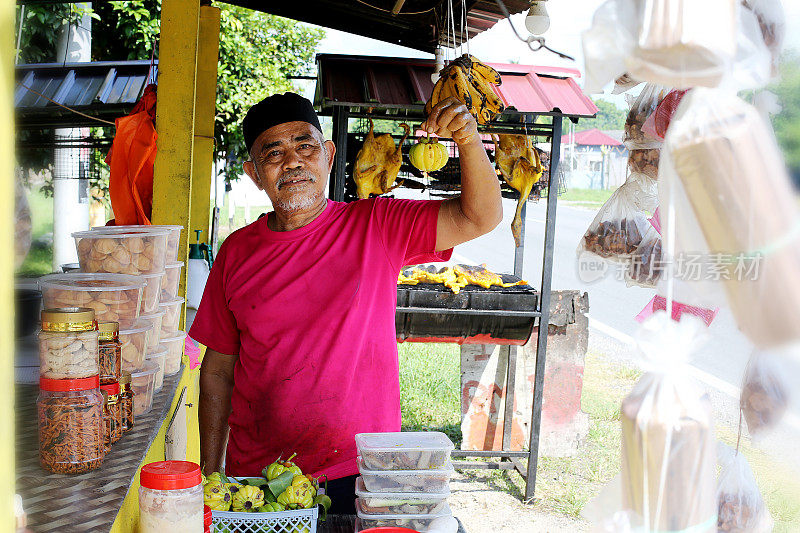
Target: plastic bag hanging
766	392
741	506
668	454
646	265
771	20
734	208
642	106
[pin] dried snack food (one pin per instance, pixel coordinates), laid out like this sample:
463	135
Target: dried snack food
399	502
126	402
406	480
644	161
122	252
70	425
642	107
134	346
404	450
112	414
113	297
109	352
741	507
765	392
151	293
174	345
68	345
143	385
171	281
154	320
173	237
158	356
646	265
172	317
415	522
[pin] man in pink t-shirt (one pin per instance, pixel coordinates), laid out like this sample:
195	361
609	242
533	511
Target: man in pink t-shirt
298	312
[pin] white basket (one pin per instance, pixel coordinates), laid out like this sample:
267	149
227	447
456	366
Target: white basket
299	521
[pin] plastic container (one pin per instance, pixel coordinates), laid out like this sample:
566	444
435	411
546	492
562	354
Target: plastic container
114	297
122	251
143	384
172	318
112	414
171	498
208	519
175	345
151	293
158	356
70	425
134	346
68	343
419	503
411	450
126	402
171	281
429	481
416	522
173	238
154	319
109	352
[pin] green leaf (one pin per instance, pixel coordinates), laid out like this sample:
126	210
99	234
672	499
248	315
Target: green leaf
325	501
280	483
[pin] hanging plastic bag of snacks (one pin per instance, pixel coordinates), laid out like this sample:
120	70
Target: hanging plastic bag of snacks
772	24
619	226
668	453
765	392
644	162
642	106
646	265
741	507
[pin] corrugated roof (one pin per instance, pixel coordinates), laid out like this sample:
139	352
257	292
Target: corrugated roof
102	89
404	83
592	137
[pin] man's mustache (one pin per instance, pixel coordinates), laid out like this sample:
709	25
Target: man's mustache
294	174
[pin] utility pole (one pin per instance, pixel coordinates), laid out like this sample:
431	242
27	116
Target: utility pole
71	197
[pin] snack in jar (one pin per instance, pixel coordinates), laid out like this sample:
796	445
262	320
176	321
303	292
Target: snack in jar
112	414
420	503
134	346
151	293
114	297
126	402
110	352
174	345
172	318
68	343
406	480
173	237
122	251
171	498
404	450
70	425
415	522
154	319
171	281
143	384
158	356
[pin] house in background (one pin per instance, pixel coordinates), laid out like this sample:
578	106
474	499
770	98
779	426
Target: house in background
593	159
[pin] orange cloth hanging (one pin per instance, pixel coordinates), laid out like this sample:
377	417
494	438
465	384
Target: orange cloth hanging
131	160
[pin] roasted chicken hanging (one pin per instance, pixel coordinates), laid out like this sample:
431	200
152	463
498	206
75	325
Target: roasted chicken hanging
520	166
378	163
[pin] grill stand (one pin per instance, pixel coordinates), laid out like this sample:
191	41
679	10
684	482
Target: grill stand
508	459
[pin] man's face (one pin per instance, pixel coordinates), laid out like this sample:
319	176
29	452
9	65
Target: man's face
291	163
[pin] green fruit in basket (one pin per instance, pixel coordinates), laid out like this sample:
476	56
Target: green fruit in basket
216	476
296	498
273	507
234	487
217	496
279	467
247	498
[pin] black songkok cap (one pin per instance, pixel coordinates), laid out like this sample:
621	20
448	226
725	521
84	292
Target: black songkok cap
274	110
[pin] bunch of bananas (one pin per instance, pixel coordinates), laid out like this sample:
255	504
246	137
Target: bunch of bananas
470	82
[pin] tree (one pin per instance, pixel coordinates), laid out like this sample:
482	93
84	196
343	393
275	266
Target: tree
609	117
258	53
787	122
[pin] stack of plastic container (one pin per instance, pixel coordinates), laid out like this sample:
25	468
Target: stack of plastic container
404	480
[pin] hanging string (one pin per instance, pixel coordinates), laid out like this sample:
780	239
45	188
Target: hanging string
390	11
67	108
464	35
451	15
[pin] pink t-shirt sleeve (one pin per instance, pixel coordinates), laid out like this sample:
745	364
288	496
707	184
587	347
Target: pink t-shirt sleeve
214	324
408	231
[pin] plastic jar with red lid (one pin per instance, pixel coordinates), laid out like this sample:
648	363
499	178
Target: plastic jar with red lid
70	425
208	519
171	498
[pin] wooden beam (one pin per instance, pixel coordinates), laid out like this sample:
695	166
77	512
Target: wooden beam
7	266
172	174
398	5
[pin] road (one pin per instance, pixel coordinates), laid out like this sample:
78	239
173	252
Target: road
613	306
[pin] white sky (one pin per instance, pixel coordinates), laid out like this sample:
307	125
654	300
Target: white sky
568	18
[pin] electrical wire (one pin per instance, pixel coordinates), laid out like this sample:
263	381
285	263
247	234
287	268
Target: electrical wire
390	11
532	38
66	107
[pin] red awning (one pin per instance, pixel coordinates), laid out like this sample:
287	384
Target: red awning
593	137
391	82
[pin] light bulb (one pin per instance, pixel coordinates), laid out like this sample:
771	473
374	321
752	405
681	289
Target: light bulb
538	21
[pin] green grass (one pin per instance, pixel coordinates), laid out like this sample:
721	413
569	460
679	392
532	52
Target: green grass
586	197
40	258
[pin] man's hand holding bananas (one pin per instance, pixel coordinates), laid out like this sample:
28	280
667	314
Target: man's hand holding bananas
451	118
469	81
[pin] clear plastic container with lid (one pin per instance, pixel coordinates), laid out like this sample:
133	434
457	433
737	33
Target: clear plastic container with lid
151	294
114	297
421	503
112	414
171	498
109	352
173	238
134	345
406	480
172	318
175	345
171	281
158	356
68	343
122	251
154	319
415	522
407	450
70	425
126	402
143	384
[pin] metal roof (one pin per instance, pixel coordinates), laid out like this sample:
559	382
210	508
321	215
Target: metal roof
419	23
592	137
102	89
403	83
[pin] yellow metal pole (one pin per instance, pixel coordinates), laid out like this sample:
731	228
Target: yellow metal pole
172	174
7	267
204	110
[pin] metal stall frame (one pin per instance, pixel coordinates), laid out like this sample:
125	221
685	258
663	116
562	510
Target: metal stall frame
508	459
